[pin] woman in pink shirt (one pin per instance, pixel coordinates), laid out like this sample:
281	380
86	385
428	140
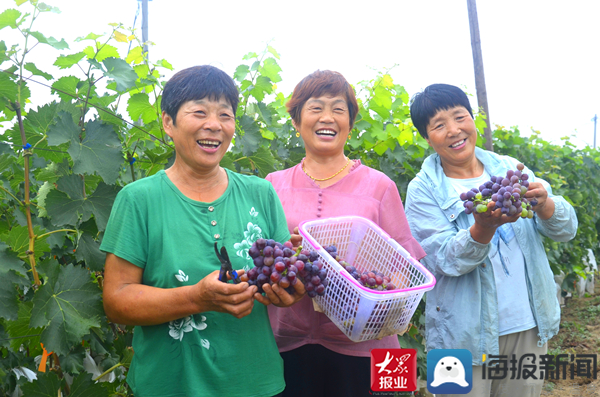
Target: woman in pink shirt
319	360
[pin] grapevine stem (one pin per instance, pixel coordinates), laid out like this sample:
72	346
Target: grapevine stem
117	365
26	155
12	195
55	231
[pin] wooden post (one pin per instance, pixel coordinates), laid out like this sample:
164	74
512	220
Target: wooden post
479	76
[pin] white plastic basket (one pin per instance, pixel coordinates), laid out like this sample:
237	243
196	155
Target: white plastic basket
359	312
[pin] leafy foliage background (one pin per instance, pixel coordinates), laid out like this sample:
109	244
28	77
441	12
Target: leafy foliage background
62	164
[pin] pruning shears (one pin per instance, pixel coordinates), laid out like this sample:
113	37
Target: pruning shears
226	267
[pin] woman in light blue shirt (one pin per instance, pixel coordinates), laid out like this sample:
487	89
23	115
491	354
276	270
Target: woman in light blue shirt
495	291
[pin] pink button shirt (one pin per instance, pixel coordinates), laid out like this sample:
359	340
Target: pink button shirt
364	192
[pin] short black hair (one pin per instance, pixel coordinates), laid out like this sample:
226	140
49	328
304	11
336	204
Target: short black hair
195	83
425	105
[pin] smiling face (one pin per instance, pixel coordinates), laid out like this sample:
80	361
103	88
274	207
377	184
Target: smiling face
452	134
202	133
324	125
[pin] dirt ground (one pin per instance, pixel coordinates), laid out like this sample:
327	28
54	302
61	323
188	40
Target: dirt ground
579	334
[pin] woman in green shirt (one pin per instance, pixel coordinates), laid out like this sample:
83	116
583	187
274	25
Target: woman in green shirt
195	335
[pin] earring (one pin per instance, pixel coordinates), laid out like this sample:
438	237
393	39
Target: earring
297	135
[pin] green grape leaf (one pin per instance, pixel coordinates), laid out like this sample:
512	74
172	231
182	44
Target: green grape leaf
100	152
241	72
262	86
67	61
106	51
68	305
271	69
138	106
8	300
383	97
263	161
36	72
51	41
135	55
265	112
18	239
227	162
72	185
250	141
164	64
8	88
406	135
73	361
120	72
157	160
64	130
3	56
46	385
88	250
19	327
9	18
102	201
10	261
141	70
84	386
272	51
65	211
66	88
91	36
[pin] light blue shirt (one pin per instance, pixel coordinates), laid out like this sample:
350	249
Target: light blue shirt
514	309
462	309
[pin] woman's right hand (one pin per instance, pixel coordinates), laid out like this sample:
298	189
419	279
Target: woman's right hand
487	222
210	294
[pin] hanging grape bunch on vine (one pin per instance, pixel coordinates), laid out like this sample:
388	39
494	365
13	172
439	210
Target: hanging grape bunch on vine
508	194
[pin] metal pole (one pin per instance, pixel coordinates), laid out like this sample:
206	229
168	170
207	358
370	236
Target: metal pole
595	119
479	76
145	25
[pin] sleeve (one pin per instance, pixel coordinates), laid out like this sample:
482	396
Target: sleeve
126	233
562	225
450	251
392	219
278	223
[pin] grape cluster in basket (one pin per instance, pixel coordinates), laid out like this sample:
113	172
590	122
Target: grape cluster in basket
277	263
508	194
371	279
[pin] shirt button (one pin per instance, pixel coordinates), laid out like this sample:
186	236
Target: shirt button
211	208
214	223
217	236
452	216
320	201
318	215
319	208
320	193
483	265
437	308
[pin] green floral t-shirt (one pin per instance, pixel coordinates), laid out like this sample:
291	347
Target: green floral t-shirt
154	226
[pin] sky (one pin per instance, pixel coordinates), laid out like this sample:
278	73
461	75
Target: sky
541	58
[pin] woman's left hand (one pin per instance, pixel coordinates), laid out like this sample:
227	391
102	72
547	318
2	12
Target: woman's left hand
278	296
545	205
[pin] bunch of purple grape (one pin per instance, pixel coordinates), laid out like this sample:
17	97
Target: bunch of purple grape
508	194
371	279
277	263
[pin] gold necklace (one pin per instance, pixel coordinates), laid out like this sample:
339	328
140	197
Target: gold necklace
324	179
